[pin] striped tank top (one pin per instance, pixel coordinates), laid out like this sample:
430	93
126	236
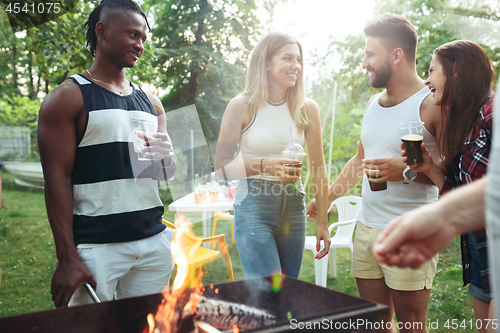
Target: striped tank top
110	205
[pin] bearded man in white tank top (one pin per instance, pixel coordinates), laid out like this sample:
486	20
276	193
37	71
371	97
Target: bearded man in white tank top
390	53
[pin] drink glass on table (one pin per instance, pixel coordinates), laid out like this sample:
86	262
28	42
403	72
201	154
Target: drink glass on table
200	194
203	192
214	192
411	135
197	189
294	151
197	197
213	188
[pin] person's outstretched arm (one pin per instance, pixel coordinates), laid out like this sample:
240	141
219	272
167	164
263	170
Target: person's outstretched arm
350	175
319	177
414	237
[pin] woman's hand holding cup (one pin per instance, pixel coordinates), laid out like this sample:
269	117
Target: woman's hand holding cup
285	169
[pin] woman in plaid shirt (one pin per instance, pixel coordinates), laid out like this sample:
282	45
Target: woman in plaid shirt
460	79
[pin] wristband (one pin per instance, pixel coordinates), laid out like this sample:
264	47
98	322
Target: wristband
261	171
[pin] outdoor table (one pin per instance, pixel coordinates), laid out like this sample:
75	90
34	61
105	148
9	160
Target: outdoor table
207	208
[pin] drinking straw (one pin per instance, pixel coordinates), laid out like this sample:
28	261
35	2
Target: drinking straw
293	150
291	140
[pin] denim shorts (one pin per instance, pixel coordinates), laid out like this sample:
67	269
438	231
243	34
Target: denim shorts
270	226
476	281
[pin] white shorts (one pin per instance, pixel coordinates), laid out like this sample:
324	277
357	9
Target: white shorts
127	269
365	266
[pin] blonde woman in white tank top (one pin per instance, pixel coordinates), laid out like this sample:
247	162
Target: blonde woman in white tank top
270	219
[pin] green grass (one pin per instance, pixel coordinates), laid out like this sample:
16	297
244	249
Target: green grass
27	258
27	253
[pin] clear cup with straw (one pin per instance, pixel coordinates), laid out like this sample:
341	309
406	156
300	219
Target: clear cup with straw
294	151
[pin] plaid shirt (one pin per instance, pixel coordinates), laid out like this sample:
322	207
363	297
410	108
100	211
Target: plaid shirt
470	164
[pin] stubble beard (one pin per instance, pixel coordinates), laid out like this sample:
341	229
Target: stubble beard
382	76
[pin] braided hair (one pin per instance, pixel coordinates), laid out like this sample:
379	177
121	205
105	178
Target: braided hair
101	10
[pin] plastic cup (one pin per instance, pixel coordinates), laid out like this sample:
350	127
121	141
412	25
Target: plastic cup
203	192
377	186
213	195
197	198
294	152
145	125
411	135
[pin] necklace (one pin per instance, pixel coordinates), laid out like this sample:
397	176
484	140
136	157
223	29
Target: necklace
119	90
277	103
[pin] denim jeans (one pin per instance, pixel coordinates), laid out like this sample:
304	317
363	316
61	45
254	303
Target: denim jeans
270	226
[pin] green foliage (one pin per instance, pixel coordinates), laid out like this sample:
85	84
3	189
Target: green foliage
353	92
40	58
202	44
436	22
199	59
351	76
439	22
32	13
20	110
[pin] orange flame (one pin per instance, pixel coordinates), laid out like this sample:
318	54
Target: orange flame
183	247
151	322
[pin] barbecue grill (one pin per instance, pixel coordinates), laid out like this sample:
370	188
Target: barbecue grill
297	306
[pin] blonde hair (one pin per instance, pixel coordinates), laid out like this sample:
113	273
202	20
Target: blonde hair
256	88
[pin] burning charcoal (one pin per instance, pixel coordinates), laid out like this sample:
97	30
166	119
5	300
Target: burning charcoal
170	317
205	327
186	325
222	314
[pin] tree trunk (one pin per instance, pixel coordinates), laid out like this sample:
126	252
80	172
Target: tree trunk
65	76
193	79
14	67
31	86
37	89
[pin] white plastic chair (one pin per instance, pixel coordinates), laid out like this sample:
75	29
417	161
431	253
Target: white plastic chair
348	208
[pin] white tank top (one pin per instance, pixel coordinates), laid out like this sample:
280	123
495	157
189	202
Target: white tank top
268	134
380	137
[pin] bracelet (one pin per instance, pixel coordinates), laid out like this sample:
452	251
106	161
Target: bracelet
261	171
